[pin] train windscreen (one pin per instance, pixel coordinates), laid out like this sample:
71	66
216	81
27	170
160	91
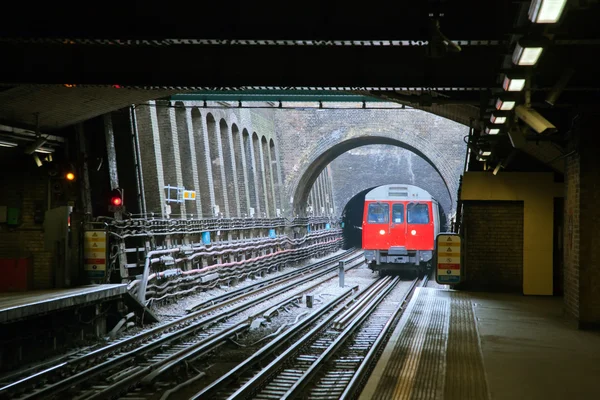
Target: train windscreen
378	213
417	213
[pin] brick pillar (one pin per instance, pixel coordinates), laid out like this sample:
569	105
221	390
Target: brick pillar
187	149
264	177
151	158
241	181
169	143
275	184
233	192
256	175
582	253
221	160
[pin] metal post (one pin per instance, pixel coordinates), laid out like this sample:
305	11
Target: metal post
309	300
341	273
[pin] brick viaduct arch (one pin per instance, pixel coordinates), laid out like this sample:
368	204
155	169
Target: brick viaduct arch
311	139
301	186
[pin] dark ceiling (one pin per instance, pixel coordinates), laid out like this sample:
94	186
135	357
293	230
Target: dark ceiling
371	47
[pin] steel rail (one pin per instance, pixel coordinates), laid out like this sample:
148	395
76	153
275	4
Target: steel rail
165	339
267	282
258	380
274	346
342	320
114	347
365	311
148	374
361	373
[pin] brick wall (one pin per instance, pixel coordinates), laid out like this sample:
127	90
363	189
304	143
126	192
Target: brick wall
187	155
23	185
170	153
493	235
223	154
150	157
571	234
589	222
311	139
301	141
353	172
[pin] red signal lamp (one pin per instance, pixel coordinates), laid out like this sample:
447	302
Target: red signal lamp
116	200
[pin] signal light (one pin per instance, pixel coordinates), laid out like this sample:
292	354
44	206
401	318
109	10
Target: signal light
70	176
116	200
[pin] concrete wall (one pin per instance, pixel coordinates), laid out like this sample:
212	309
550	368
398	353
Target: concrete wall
537	191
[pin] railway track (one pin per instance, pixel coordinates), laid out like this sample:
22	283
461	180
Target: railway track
329	361
115	361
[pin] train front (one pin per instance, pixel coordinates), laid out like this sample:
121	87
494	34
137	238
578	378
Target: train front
399	234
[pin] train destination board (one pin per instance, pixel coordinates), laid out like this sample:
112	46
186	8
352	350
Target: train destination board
448	259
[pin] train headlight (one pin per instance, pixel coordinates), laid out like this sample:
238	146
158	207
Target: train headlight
382	232
413	232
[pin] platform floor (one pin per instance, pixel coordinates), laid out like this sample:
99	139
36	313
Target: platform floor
460	345
19	305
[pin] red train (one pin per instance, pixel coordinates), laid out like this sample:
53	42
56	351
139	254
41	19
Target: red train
400	224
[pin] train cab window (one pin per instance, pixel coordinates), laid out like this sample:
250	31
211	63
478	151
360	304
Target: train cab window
398	213
417	213
378	213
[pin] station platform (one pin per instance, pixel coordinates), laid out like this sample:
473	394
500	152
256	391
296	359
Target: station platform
20	305
464	345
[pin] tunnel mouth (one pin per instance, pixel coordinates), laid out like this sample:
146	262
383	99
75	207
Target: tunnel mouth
352	217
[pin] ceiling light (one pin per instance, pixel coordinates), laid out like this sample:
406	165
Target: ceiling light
495	119
499	117
37	160
7	144
45	150
546	11
511	84
526	55
485	153
497	168
505	105
492	131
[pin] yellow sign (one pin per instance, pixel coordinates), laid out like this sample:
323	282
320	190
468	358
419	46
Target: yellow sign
189	195
94	253
448	269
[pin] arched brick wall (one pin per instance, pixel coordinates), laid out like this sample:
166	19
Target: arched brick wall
310	141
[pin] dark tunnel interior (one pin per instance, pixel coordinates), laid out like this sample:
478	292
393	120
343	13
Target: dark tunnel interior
352	217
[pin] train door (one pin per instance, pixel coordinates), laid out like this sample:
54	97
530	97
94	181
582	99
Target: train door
376	231
419	227
398	226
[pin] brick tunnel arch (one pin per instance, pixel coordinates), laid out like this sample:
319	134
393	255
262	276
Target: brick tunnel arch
302	185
